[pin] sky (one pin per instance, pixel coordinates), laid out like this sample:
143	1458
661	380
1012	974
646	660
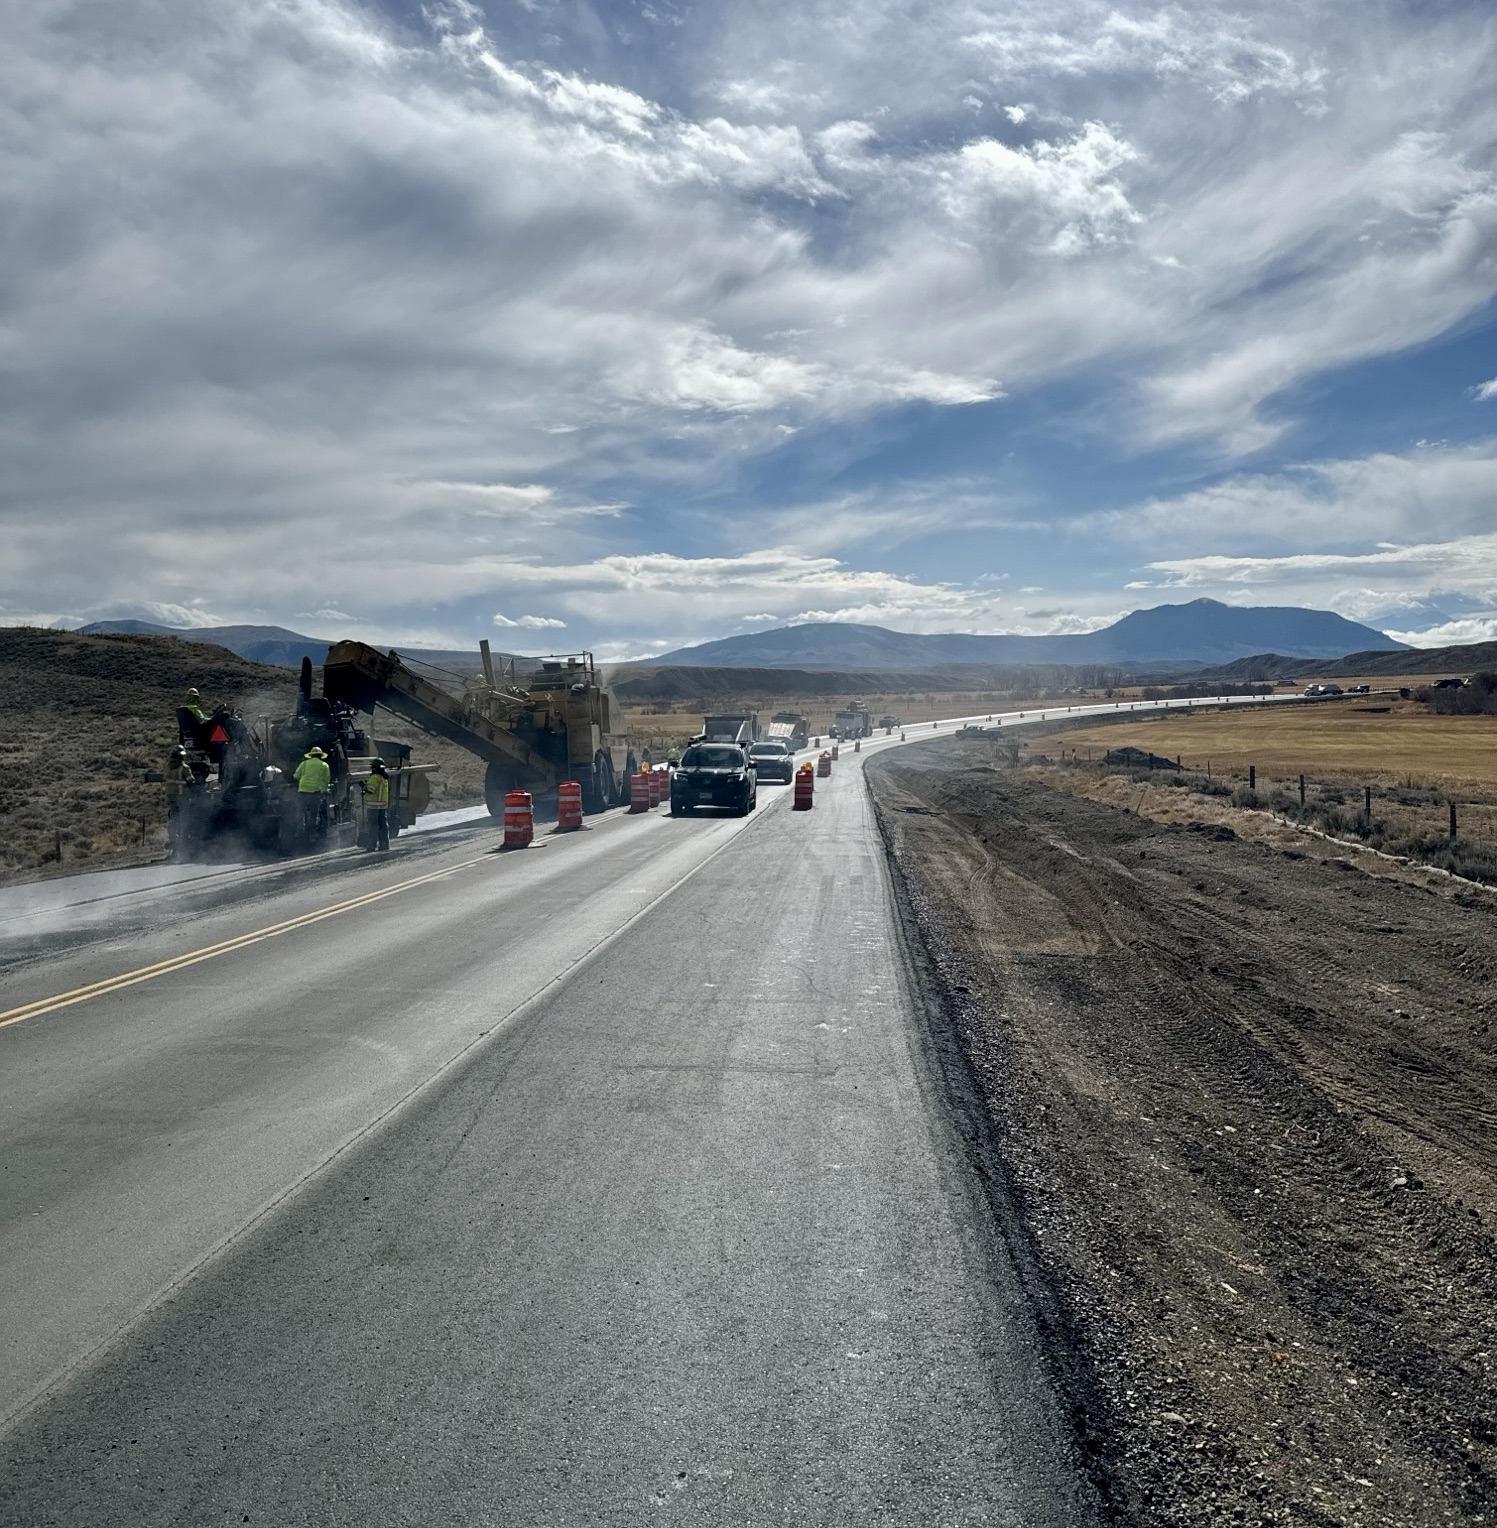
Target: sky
627	325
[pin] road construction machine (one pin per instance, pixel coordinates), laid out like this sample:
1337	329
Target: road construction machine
558	724
243	799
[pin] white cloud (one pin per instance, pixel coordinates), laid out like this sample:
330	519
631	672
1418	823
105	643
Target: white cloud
1487	391
1070	187
1452	633
157	613
1429	494
379	316
533	622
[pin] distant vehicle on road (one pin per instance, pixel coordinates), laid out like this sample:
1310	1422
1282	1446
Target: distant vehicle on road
740	727
714	774
1320	691
790	727
888	723
854	722
773	760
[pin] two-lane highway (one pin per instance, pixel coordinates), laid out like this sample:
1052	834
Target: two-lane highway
559	1186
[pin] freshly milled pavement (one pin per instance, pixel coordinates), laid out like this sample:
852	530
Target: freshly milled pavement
687	1236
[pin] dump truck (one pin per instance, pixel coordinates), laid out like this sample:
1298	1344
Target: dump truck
853	722
740	727
556	725
789	727
243	798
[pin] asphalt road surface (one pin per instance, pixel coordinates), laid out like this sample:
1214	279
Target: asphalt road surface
597	1182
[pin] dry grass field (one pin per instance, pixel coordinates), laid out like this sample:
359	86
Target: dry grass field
660	727
1354	737
1373	770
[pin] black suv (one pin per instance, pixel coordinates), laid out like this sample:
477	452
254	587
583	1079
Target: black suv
714	774
773	760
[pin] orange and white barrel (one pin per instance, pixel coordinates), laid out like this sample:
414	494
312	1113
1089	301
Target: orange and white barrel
824	764
659	785
568	806
639	792
805	787
519	819
836	750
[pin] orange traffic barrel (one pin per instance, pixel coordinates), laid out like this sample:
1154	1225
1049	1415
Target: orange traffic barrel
568	806
639	792
659	784
519	819
835	750
824	764
857	746
805	787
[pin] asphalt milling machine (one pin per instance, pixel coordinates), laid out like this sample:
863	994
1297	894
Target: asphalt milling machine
557	725
243	800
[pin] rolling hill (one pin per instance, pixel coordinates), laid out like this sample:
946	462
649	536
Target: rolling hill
278	646
1201	632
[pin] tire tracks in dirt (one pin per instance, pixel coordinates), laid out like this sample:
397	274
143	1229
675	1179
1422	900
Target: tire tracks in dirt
1239	1116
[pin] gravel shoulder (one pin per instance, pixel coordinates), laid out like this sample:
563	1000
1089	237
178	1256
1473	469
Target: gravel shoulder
1240	1124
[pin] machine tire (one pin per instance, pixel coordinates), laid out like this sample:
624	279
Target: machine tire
598	791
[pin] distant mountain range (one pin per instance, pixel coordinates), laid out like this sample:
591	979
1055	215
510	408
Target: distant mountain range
1202	632
277	645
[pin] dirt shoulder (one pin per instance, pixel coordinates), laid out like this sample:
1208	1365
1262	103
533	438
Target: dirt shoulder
1241	1105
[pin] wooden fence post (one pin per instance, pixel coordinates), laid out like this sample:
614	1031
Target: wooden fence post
1302	792
1252	777
1452	822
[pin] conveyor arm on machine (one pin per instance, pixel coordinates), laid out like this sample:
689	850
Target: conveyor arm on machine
363	677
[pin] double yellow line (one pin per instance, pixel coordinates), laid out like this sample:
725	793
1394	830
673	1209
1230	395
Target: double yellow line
35	1010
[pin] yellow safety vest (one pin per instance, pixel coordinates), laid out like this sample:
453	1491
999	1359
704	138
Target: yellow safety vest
312	775
377	792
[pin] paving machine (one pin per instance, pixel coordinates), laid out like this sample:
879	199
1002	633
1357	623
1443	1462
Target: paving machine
244	799
556	725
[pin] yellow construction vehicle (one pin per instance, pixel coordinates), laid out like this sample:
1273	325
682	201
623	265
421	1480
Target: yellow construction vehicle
557	725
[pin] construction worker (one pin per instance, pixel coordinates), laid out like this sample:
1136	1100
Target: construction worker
672	759
313	780
179	780
377	807
193	702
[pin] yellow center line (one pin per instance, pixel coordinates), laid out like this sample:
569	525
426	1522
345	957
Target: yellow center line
43	1005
